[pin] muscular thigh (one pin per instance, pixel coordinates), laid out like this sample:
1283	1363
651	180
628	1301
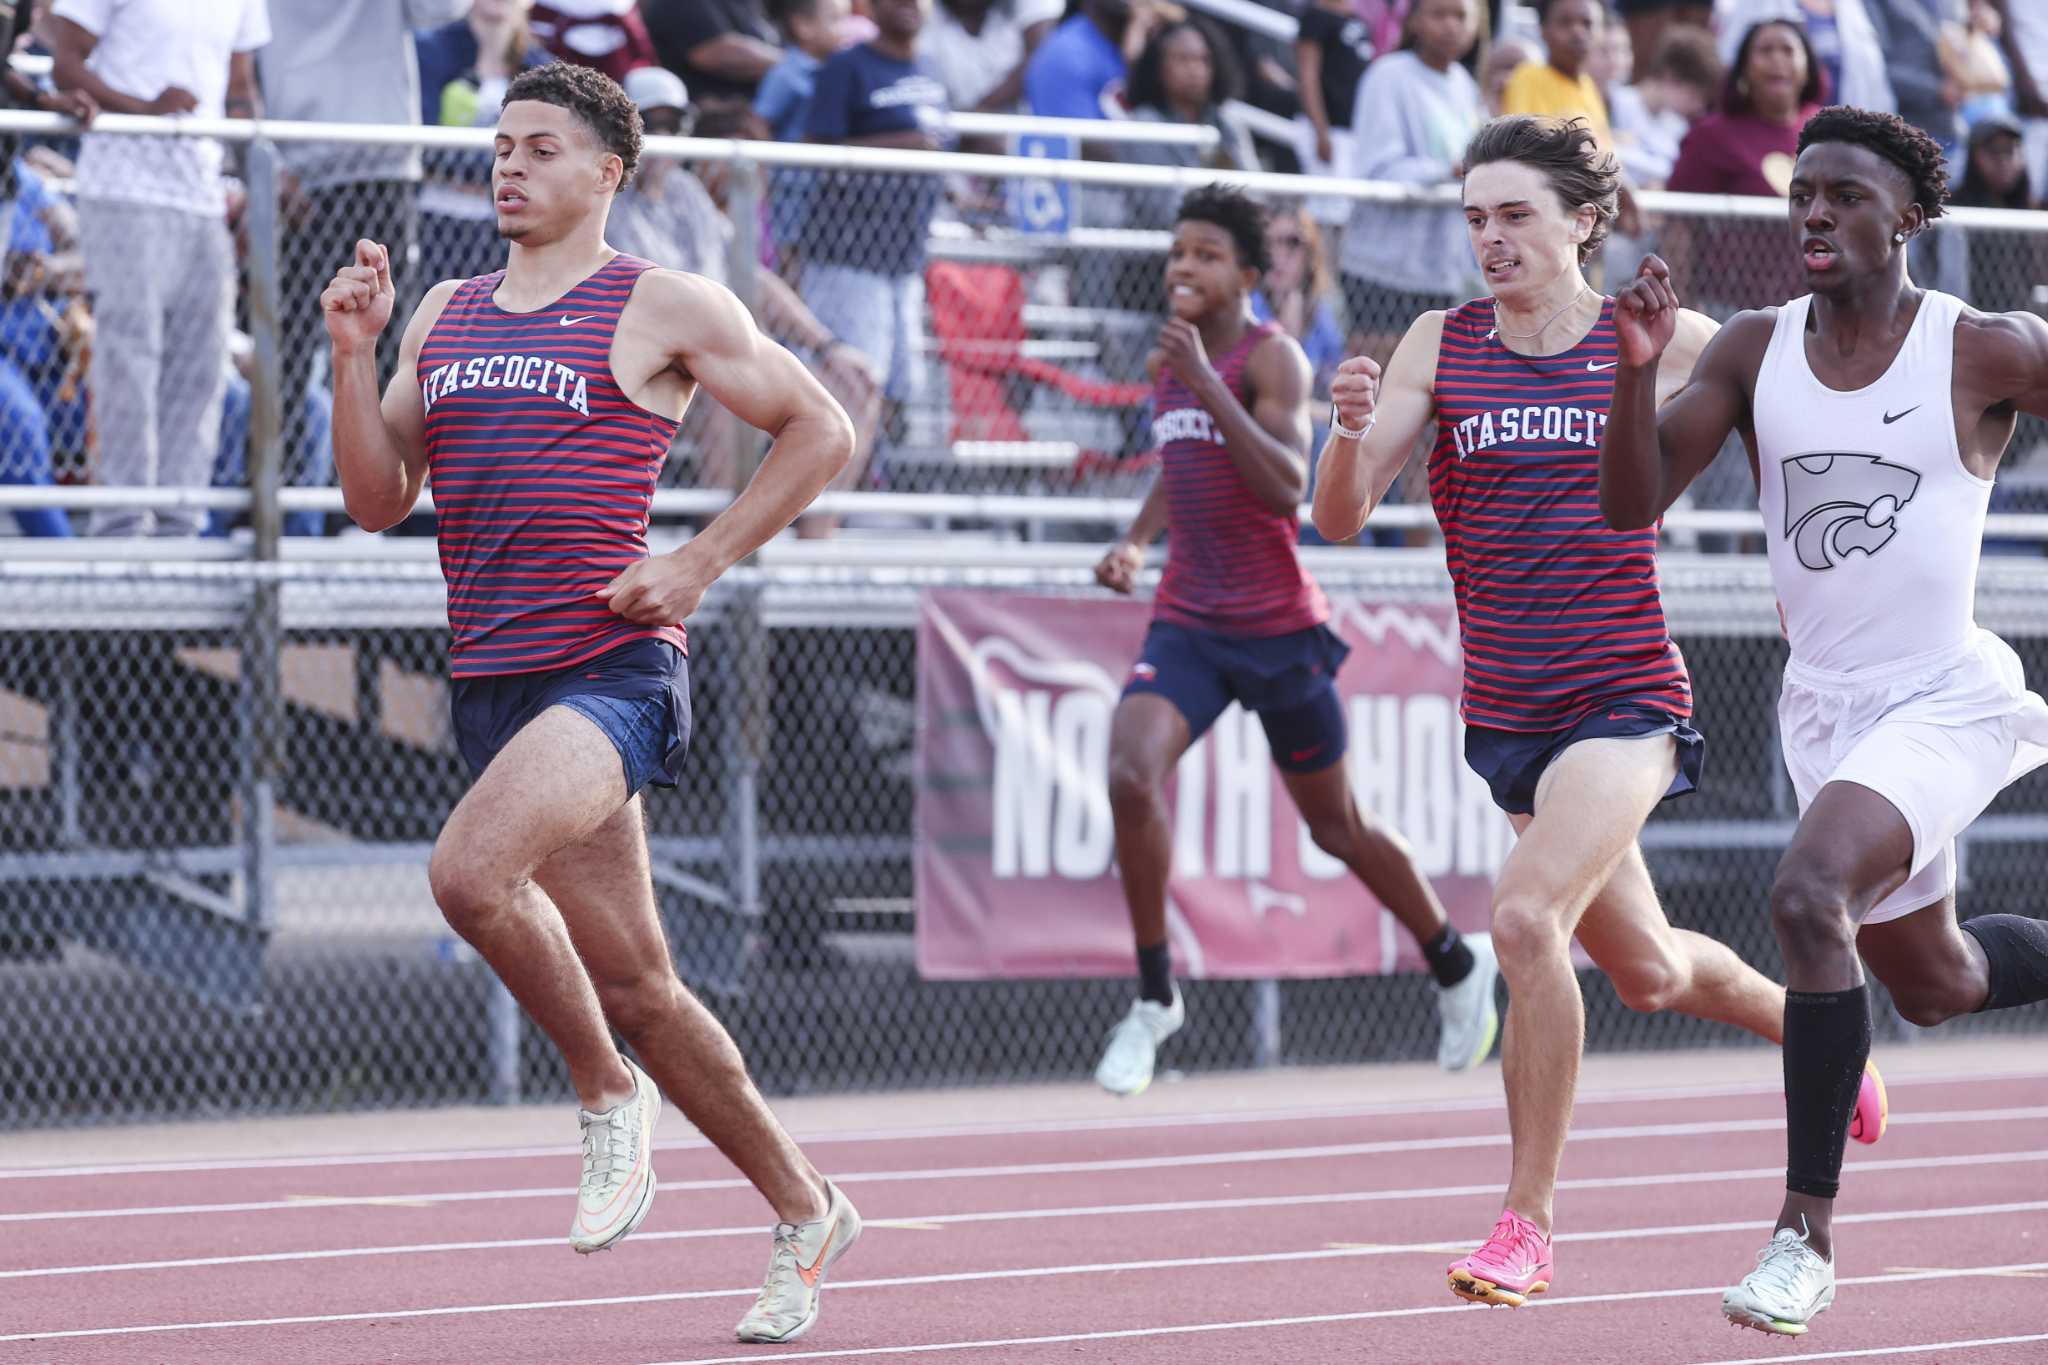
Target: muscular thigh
1624	922
553	784
602	885
1590	806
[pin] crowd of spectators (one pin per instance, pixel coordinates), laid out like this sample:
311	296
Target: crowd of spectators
124	349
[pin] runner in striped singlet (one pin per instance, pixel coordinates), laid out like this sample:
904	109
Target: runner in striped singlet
1238	619
541	399
1576	701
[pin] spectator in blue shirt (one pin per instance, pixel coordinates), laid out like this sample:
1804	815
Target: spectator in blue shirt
865	235
1078	71
812	29
35	370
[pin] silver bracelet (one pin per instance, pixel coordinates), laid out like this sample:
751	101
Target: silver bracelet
1337	427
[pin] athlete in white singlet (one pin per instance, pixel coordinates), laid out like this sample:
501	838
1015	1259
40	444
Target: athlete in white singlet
1875	414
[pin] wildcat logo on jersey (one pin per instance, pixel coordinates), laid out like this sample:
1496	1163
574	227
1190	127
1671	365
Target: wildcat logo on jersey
1185	424
535	374
1839	505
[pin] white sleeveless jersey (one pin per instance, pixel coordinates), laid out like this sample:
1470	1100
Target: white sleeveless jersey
1873	524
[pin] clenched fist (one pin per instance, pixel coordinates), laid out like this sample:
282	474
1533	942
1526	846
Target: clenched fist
357	303
1356	391
1118	570
1646	313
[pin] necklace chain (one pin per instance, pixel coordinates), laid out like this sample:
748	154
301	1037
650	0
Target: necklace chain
1584	290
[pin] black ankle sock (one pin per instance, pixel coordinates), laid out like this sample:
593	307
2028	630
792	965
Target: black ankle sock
1827	1041
1155	974
2016	948
1450	961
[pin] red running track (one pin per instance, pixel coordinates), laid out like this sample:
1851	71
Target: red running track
1256	1238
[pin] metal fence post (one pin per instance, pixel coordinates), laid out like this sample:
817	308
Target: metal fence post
262	640
1266	1039
748	730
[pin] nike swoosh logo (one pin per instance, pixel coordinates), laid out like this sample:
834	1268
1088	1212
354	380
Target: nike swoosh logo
816	1268
571	322
1892	417
1299	755
1596	366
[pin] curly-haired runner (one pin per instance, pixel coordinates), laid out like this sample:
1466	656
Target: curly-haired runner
1576	700
542	400
1875	414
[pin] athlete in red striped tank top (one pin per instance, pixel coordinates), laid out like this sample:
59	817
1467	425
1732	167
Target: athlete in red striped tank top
1575	697
541	401
1237	619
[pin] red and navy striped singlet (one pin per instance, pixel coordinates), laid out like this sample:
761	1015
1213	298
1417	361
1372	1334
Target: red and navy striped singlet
543	472
1560	615
1231	564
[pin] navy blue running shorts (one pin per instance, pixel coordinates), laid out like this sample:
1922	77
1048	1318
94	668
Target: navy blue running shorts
637	694
1513	761
1290	681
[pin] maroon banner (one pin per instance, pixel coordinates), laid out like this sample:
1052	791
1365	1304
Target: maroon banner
1016	870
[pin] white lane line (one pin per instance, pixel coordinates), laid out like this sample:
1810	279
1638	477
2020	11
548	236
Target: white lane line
1128	1333
1432	1247
1077	1211
1318	1153
1125	1123
1875	1350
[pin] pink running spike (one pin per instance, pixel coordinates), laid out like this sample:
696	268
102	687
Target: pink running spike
1513	1265
1866	1124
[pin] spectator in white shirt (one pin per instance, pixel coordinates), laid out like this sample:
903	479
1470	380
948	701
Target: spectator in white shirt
152	218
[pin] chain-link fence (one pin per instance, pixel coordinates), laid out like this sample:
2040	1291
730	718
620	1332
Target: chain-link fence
212	849
219	784
986	324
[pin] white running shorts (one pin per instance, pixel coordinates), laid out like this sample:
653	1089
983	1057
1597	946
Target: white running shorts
1937	735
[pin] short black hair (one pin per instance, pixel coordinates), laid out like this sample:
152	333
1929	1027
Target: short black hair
1543	11
1568	156
1918	156
780	12
594	98
1146	84
1237	213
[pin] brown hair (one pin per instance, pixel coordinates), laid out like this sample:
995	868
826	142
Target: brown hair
1567	155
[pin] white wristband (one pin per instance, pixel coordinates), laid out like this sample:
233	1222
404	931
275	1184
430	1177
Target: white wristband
1337	427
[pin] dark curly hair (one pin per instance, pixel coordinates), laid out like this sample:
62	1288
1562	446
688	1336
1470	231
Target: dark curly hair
1146	84
1568	157
1237	213
594	98
1918	157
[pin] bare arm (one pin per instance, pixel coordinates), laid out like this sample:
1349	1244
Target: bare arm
735	57
245	92
1003	98
705	331
2005	356
1354	475
70	45
903	140
380	448
1119	568
1267	443
2028	96
1308	66
1662	431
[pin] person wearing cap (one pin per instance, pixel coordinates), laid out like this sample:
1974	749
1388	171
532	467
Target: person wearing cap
1994	269
668	216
